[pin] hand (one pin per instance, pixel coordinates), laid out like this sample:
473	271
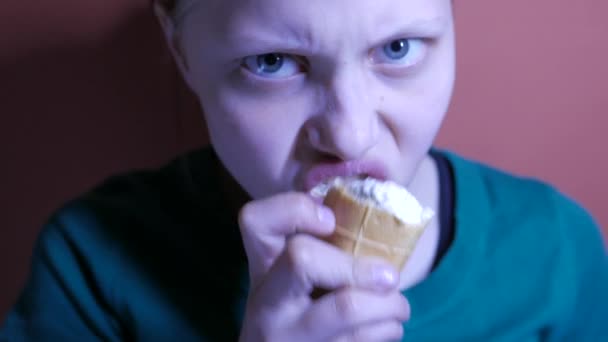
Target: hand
287	261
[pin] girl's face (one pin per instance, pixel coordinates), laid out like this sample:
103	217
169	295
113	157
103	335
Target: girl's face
298	91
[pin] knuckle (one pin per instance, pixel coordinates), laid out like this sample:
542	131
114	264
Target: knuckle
389	331
298	254
392	330
247	216
345	305
403	307
357	334
302	207
397	331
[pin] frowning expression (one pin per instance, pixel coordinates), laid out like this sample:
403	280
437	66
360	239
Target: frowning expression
295	91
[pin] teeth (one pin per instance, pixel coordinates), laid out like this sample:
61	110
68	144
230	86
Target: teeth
321	189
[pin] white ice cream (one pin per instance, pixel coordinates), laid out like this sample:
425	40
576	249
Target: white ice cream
386	195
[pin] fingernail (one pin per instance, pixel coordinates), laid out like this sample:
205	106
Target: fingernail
384	276
325	215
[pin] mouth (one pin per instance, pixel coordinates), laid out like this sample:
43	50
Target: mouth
322	176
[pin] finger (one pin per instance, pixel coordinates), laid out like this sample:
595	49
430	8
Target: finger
308	262
347	311
382	331
286	214
266	223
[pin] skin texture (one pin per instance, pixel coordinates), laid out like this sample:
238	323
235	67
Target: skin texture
347	98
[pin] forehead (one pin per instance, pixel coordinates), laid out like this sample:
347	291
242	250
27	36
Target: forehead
227	15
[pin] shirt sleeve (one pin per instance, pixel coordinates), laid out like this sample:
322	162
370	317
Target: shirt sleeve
61	300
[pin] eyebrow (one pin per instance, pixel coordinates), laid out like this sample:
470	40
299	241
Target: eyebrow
417	28
290	40
259	41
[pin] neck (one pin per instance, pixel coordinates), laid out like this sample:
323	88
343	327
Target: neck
425	186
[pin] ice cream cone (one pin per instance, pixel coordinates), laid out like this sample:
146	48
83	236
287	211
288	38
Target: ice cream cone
363	229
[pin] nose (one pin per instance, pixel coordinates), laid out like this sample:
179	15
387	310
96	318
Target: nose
347	126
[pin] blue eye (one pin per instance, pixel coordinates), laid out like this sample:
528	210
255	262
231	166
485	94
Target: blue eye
271	62
397	49
401	52
272	65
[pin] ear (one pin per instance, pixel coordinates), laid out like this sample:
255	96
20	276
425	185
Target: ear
172	37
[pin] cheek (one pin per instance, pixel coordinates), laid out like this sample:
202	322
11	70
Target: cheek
417	113
245	127
421	104
434	101
254	138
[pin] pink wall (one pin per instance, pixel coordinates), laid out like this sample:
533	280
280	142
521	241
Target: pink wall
532	92
88	89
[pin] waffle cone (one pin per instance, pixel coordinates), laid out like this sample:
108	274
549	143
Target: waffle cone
366	230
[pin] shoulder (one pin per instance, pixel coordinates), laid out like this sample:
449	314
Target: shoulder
527	215
509	197
177	189
533	232
133	213
126	203
146	245
531	219
144	211
144	254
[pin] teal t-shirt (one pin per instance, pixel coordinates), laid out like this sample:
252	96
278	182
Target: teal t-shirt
157	256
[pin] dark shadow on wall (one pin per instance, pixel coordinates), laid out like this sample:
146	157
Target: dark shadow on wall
72	114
